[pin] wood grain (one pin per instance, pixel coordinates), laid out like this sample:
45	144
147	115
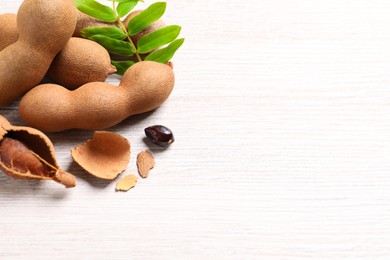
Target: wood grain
281	114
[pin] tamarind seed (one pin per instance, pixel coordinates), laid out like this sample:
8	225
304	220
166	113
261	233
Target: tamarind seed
160	135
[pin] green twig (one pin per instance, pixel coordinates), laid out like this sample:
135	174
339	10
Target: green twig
122	26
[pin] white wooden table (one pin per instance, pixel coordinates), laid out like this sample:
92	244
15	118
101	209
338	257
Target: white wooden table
281	113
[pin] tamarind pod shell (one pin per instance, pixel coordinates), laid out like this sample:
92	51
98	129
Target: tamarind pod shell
40	145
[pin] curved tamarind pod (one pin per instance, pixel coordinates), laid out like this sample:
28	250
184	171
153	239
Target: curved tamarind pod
97	105
44	29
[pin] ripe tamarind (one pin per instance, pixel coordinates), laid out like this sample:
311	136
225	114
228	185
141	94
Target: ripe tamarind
97	105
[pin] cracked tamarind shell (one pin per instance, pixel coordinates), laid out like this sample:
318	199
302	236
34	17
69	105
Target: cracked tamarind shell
25	148
105	156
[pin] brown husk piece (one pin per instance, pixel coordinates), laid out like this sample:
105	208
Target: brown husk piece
26	153
126	183
145	162
105	156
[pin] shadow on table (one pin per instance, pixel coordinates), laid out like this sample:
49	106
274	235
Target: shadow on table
154	147
25	189
130	122
81	174
11	187
78	136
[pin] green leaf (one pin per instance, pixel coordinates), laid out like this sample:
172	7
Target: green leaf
125	7
96	10
166	54
146	17
113	45
158	38
112	32
122	66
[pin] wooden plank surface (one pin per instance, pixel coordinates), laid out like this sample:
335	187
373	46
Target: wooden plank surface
281	113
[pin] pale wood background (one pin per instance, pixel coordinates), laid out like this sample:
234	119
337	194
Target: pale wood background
281	113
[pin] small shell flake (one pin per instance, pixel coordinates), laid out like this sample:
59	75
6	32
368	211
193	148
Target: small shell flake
145	162
126	183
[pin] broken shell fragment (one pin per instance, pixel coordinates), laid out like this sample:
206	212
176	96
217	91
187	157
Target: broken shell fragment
26	153
105	156
145	162
126	183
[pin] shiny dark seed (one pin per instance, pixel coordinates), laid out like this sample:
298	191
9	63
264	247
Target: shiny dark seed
160	135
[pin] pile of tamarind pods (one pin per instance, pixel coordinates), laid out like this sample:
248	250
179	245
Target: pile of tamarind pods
38	41
41	40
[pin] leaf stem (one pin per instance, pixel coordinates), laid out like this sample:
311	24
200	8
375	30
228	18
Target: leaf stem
130	41
122	26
